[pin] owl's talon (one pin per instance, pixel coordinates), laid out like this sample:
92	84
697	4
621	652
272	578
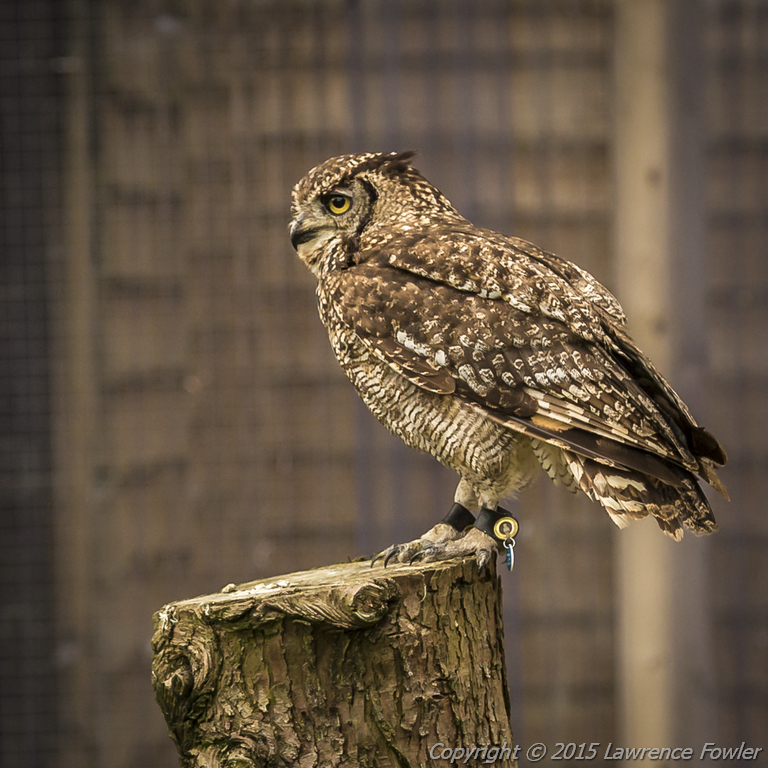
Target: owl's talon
483	557
422	553
393	551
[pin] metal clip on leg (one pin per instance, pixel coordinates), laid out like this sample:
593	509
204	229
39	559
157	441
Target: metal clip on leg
509	545
499	524
506	529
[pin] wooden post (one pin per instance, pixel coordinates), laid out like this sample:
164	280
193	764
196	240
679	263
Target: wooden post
345	665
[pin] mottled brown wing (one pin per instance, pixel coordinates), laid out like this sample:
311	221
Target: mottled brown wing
543	286
492	266
533	373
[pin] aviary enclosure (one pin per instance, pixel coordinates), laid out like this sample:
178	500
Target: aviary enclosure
173	419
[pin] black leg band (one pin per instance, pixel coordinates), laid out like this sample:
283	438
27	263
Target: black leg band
459	517
496	523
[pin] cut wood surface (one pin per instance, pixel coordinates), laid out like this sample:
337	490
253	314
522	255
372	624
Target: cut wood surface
345	665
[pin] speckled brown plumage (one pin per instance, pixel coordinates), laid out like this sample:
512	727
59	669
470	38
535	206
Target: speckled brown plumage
491	354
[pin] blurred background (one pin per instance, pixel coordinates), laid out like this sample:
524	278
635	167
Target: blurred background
171	416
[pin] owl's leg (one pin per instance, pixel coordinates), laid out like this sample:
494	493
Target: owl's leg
483	541
452	527
465	495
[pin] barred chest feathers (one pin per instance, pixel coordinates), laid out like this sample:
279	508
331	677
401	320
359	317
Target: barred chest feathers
445	427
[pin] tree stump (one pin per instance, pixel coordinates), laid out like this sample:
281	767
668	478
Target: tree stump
345	665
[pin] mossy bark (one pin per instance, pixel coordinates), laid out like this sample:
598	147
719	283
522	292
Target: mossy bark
339	666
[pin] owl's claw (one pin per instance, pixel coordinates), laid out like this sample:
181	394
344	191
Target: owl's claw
406	553
420	554
440	544
484	556
390	553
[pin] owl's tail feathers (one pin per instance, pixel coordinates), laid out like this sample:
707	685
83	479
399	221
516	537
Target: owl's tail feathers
709	454
627	494
709	474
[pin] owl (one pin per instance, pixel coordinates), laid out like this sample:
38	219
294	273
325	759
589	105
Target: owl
493	356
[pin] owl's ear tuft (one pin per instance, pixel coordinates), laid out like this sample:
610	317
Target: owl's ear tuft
391	164
399	162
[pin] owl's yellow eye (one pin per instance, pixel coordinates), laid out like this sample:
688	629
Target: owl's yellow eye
337	204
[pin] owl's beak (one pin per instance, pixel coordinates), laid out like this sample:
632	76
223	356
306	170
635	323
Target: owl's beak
299	233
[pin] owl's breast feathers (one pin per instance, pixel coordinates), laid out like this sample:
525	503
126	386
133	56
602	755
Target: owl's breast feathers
533	341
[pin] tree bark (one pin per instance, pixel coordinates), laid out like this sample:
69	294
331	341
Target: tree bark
340	666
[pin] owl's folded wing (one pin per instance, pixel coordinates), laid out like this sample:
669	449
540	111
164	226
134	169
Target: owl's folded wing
515	271
531	373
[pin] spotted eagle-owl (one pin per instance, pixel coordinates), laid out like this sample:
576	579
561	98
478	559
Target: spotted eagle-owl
493	356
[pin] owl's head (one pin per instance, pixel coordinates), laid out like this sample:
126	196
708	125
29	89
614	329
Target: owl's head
348	199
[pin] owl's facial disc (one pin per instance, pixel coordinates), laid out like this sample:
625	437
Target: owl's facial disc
328	215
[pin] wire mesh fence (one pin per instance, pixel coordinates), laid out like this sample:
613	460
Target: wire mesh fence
172	416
